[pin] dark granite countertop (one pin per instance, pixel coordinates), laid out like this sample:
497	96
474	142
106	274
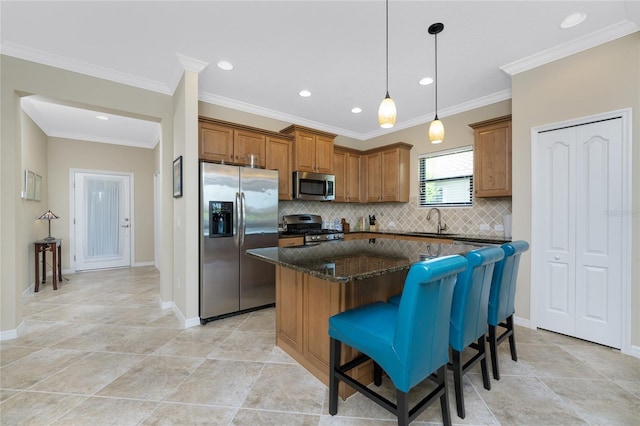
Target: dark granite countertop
472	238
343	261
475	238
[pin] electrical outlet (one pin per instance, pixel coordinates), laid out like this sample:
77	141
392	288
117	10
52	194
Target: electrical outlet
485	227
391	224
498	227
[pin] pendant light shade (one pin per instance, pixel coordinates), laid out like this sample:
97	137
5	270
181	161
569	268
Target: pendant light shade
436	129
387	110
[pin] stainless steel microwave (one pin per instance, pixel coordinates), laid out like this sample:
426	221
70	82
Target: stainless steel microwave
314	186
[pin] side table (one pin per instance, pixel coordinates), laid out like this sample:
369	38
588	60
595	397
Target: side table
55	247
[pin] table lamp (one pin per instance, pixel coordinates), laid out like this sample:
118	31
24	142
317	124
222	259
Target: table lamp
48	216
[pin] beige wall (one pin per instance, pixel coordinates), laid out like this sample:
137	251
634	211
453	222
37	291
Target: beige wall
67	154
34	146
601	79
19	78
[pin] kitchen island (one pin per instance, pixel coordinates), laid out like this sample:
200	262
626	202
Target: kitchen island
318	281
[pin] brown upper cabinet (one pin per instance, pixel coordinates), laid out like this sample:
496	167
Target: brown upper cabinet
226	144
347	167
492	157
230	143
312	149
279	158
387	173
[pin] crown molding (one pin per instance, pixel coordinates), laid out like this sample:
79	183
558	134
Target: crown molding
589	41
98	139
269	113
192	64
500	96
30	109
62	62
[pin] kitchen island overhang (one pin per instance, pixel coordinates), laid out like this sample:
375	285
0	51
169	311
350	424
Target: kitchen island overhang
315	282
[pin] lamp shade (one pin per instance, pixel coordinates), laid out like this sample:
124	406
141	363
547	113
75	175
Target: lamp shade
436	131
49	215
387	112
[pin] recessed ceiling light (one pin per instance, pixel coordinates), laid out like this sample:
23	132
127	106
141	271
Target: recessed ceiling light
425	81
304	93
224	65
102	117
573	20
356	110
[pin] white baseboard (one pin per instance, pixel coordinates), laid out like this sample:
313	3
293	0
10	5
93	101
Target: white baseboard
523	322
136	264
12	334
186	323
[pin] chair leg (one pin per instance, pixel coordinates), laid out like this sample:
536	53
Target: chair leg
493	347
512	338
483	362
334	361
402	408
444	398
457	381
377	374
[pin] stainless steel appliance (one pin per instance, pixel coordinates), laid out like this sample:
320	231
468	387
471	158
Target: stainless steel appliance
314	186
239	211
310	226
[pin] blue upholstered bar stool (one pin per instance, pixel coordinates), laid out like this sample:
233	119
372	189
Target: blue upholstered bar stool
469	313
502	301
410	341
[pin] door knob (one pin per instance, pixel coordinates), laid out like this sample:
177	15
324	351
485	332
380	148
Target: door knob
125	226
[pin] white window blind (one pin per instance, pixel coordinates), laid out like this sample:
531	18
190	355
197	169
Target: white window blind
446	178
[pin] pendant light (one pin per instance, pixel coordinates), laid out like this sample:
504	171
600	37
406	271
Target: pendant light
436	129
387	110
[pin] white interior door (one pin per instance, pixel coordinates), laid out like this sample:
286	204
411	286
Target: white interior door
102	221
580	232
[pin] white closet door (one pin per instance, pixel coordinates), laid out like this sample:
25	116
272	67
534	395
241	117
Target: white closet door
599	231
557	183
581	192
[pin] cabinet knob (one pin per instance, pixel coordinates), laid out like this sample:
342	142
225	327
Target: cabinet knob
556	257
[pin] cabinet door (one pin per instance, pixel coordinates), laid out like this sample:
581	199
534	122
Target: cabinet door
341	174
323	155
246	143
215	143
353	172
278	157
492	160
373	165
391	175
305	152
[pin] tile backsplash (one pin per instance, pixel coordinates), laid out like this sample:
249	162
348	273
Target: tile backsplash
485	212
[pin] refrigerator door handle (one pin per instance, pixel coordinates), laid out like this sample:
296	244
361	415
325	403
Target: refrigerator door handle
244	223
236	236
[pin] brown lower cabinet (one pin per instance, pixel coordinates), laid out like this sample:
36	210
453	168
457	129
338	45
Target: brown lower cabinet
304	304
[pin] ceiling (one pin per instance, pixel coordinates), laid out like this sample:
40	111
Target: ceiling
334	49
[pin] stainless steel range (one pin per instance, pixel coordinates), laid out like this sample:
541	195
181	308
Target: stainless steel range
310	226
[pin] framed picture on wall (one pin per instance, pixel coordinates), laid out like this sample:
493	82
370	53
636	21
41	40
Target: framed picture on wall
30	184
177	177
37	187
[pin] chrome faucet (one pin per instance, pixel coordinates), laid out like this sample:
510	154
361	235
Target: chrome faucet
440	227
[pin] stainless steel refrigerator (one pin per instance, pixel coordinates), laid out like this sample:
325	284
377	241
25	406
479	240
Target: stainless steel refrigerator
239	211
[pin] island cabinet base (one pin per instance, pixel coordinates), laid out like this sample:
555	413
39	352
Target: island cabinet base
304	304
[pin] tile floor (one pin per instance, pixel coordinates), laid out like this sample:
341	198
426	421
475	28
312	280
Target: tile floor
99	351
